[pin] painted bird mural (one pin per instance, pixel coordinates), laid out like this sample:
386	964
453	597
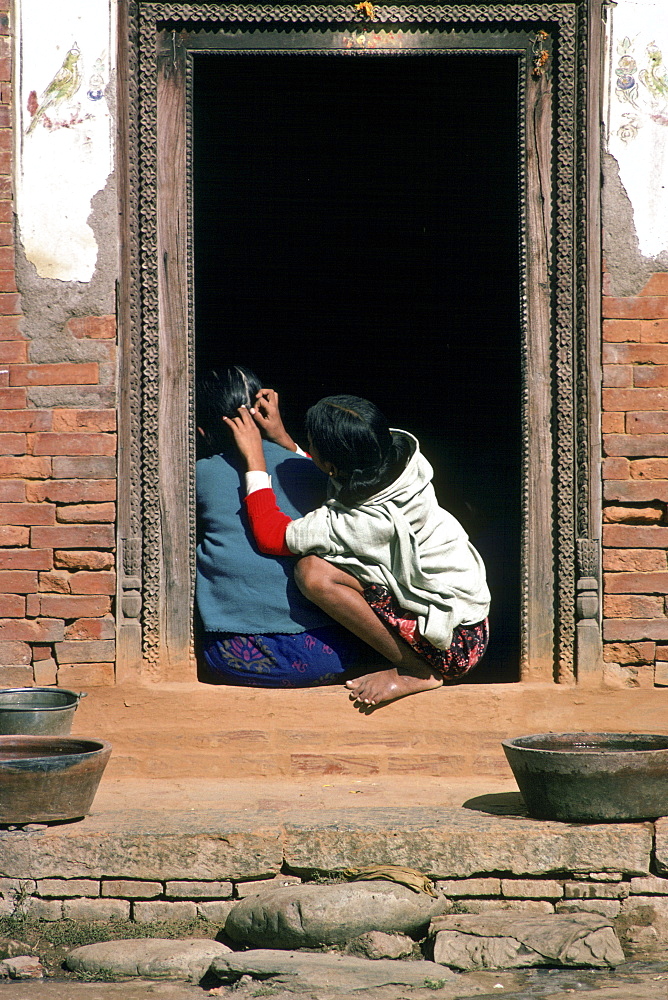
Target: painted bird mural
62	88
656	78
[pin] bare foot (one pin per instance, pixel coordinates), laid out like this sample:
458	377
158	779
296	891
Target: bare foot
388	685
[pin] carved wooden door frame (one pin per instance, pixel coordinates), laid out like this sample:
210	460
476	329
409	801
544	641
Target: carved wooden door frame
558	46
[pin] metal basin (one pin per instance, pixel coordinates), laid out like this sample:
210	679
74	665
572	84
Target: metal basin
44	778
591	777
39	711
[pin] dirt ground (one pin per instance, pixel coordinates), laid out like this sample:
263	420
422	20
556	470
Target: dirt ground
633	981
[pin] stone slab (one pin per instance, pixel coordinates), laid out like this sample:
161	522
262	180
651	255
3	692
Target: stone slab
459	843
132	844
215	845
498	941
149	958
661	846
332	970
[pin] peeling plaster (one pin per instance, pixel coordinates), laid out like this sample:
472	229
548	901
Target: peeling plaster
64	130
49	303
628	270
636	135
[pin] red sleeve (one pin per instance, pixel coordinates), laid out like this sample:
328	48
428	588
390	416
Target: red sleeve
268	522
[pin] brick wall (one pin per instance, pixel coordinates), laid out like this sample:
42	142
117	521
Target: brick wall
635	485
57	476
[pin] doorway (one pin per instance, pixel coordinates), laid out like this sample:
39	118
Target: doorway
356	229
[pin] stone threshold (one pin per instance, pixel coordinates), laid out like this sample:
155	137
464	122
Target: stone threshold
148	866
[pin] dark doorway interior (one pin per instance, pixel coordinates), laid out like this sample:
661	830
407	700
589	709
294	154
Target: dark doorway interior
356	230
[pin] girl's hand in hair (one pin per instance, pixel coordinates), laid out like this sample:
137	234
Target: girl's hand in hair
268	418
247	439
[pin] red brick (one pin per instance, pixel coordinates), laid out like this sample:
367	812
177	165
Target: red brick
5	68
39	630
12	399
11	534
657	284
647	422
650	376
93	327
634	560
32	606
636	491
618	376
10	302
84	467
12	444
638	652
632	606
12	606
612	423
85	582
26	559
15	652
86	651
55	582
8	284
617	536
632	629
27	513
58	374
636	583
6	232
41	652
621	330
91	628
635	354
80	675
654	331
89	559
649	468
87	513
635	399
12	490
73	490
74	605
636	307
76	536
623	514
631	445
77	421
616	468
4	377
25	420
26	466
17	581
74	444
10	326
13	351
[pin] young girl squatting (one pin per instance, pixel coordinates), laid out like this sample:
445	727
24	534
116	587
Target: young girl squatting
381	557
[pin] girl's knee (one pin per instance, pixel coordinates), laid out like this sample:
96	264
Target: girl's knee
311	574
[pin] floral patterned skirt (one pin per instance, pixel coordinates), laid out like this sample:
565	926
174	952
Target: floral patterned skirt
305	659
469	642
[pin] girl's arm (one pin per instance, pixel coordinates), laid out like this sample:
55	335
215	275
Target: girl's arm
267	522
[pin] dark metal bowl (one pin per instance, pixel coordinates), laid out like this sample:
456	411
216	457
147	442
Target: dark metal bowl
591	777
45	778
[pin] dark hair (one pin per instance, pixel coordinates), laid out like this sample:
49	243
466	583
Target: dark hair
221	395
352	434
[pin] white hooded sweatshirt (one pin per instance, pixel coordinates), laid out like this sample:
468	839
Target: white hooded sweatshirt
401	538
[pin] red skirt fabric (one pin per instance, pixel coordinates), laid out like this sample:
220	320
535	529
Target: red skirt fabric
468	645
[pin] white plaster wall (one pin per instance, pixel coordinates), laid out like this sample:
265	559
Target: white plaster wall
64	63
636	113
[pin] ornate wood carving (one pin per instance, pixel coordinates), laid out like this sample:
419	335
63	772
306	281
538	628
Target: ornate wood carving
564	485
